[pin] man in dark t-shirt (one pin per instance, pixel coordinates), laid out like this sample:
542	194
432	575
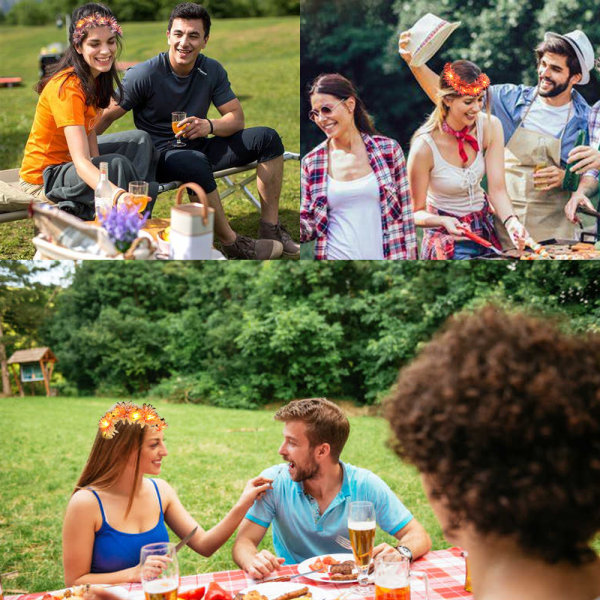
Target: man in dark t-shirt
184	80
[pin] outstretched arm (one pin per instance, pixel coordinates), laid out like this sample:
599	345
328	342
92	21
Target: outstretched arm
208	542
246	555
109	116
426	78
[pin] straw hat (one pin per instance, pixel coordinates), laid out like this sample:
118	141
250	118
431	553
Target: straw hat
583	50
427	36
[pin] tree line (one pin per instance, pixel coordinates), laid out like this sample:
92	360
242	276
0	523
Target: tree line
245	334
34	12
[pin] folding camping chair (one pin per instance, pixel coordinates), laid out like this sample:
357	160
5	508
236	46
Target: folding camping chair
231	185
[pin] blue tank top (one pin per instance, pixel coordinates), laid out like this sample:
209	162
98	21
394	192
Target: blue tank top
116	550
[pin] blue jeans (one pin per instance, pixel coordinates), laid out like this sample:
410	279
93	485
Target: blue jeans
466	250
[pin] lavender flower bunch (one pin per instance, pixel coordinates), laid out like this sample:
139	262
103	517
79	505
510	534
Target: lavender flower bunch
122	224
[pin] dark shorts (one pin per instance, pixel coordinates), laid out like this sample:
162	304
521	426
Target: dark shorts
203	156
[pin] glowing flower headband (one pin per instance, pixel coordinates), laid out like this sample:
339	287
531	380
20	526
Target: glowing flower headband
462	87
127	412
95	20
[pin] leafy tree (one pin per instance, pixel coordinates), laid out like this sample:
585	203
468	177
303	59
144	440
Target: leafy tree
22	306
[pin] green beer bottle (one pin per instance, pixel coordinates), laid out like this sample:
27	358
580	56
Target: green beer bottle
571	180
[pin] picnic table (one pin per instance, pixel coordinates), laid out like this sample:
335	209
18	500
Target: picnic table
445	569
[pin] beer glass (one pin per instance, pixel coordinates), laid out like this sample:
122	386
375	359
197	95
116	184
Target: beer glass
138	195
395	581
160	571
361	527
175	118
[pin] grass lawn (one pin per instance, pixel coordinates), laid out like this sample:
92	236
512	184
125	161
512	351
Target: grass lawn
261	57
44	443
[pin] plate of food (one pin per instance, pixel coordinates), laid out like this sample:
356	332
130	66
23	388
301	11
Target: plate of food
76	592
331	568
278	590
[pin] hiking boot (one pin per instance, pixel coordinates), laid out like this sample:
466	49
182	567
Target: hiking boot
245	247
278	232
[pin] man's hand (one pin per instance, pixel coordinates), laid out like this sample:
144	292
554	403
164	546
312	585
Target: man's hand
549	178
194	128
262	564
584	158
402	46
576	199
383	549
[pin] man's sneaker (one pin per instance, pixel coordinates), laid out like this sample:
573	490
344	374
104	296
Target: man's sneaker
278	232
245	247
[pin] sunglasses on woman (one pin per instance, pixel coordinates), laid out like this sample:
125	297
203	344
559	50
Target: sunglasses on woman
324	111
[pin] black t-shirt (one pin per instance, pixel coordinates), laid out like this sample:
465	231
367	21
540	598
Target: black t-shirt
153	91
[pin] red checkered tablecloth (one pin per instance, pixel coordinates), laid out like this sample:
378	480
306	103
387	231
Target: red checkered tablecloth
445	570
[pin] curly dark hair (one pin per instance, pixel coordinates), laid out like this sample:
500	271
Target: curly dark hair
325	422
502	412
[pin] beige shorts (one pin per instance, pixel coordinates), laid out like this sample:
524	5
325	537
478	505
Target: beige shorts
34	189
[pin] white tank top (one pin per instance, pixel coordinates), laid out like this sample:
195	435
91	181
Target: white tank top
355	231
454	189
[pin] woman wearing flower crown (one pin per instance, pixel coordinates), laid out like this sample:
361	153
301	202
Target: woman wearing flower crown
115	510
450	154
62	154
355	200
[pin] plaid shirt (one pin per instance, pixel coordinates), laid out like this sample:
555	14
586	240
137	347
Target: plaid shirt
594	134
388	164
438	244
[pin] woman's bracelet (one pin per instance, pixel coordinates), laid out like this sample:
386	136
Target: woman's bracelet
118	193
508	218
212	129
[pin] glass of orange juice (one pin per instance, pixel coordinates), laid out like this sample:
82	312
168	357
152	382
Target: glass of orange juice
138	195
176	117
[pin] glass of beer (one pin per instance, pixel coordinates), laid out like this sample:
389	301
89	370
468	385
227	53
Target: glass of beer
394	579
160	571
361	527
176	117
138	195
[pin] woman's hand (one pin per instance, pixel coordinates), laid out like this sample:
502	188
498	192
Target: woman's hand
517	232
255	488
154	565
403	42
576	199
453	226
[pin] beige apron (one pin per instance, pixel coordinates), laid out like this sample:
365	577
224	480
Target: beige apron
541	212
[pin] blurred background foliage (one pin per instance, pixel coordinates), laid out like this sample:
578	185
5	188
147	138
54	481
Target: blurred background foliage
35	12
359	39
242	335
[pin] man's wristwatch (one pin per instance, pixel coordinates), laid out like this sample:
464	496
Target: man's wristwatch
406	552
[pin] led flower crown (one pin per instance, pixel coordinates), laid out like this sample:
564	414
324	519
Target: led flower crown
127	412
462	87
95	20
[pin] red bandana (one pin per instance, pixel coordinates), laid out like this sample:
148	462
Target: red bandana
462	136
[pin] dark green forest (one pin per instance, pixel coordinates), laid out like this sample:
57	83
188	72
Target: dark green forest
36	12
246	334
359	39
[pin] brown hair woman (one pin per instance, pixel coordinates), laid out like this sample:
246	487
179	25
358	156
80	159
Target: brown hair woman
355	200
115	510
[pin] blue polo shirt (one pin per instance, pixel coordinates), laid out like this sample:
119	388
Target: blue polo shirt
301	532
509	102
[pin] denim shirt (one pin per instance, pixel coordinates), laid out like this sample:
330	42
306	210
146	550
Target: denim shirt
509	102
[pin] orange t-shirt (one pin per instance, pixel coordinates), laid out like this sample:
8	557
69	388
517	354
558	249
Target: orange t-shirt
57	107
